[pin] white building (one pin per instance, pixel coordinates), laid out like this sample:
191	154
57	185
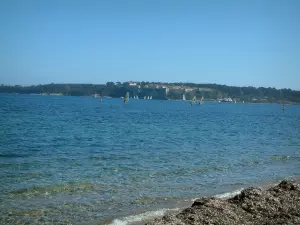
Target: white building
132	83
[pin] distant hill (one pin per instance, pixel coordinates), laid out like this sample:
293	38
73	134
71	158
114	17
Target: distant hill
163	91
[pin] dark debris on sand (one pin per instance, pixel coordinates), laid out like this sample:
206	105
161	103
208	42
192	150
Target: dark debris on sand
277	205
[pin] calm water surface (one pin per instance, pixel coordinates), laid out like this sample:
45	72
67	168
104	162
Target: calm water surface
65	160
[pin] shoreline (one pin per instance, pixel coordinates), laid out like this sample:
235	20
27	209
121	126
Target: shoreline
178	100
279	204
156	216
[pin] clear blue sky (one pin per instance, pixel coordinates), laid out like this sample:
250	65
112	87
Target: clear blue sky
234	42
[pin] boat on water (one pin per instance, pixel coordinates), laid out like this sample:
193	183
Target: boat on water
97	95
225	100
183	97
150	97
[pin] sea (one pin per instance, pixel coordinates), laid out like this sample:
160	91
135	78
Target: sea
76	160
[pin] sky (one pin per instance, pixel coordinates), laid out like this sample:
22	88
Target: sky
233	42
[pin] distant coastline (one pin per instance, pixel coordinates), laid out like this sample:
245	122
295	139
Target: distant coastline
207	100
163	91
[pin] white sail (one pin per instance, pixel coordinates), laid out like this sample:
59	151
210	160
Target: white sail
183	97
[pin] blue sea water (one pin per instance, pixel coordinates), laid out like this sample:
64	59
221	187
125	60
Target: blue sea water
65	160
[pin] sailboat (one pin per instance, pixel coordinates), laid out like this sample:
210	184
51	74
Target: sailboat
150	97
183	97
126	99
101	98
144	97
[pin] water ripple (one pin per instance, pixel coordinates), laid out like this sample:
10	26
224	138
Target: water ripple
71	159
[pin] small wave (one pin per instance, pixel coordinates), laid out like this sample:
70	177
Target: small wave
188	171
284	158
225	195
59	188
229	194
280	157
11	155
149	200
146	216
110	157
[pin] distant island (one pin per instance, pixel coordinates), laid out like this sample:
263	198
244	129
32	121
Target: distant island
163	91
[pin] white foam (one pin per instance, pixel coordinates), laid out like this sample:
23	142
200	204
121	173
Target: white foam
159	213
229	194
224	195
141	217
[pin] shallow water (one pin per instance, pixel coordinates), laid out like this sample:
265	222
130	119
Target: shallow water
73	159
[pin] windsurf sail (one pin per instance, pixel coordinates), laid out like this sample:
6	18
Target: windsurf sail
282	100
201	100
193	100
126	99
183	97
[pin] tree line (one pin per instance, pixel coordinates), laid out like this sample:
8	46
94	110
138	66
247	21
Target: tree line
175	91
